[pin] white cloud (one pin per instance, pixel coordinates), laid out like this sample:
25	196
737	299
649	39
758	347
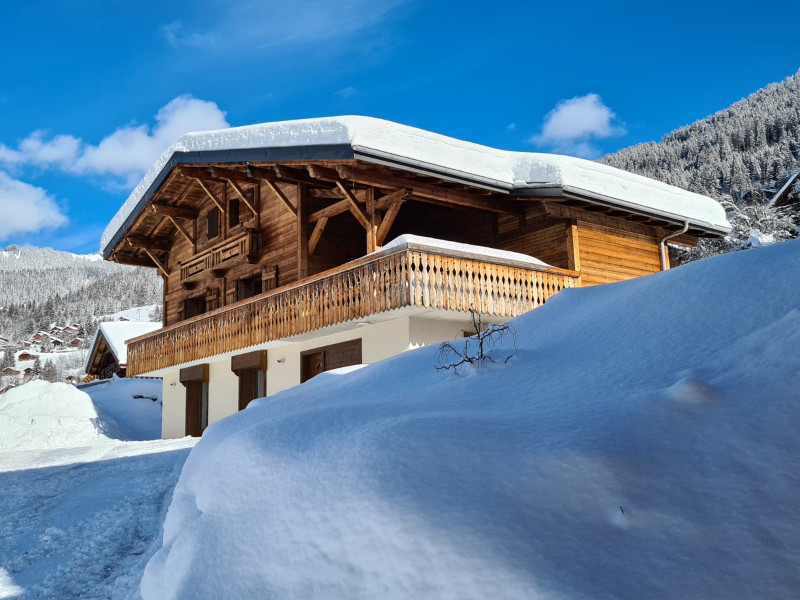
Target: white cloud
573	124
177	35
26	208
273	24
511	127
125	154
347	92
129	151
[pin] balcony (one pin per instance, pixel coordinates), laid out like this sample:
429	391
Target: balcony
407	277
244	247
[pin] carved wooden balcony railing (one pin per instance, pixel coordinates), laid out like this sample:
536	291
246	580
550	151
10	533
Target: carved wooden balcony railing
407	277
245	246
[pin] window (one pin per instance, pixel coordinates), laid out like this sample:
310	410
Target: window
212	224
319	360
193	307
233	213
252	371
249	287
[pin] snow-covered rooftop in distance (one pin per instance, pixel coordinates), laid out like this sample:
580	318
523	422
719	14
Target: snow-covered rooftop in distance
383	141
116	332
481	251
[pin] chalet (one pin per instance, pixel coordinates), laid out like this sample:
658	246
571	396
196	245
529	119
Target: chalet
108	354
27	356
28	371
75	342
10	371
272	239
788	194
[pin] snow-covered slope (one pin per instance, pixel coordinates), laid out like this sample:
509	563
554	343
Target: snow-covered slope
641	444
41	415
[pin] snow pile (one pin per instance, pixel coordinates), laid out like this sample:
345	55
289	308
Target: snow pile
477	251
377	137
41	415
129	408
641	444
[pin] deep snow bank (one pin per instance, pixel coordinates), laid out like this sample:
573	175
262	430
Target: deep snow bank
130	408
41	415
643	444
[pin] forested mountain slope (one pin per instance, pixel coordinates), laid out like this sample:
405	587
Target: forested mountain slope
739	155
41	286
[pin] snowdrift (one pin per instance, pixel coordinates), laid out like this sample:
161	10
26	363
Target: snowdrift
641	444
129	408
41	415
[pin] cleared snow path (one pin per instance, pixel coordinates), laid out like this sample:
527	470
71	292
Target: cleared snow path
81	522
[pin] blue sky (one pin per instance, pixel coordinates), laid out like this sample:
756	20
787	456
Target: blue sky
91	93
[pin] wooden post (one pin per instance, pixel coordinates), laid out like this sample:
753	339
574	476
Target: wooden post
374	218
302	232
573	247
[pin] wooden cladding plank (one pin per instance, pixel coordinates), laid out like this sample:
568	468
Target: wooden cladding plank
178	212
408	278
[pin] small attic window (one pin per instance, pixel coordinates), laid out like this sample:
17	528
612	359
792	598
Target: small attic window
233	213
212	226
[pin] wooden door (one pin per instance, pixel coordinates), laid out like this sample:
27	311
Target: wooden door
196	407
313	365
331	357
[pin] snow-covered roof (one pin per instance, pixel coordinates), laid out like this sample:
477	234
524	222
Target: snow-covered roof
116	332
385	142
469	249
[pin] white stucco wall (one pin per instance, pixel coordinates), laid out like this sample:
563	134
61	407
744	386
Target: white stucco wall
223	390
173	407
378	341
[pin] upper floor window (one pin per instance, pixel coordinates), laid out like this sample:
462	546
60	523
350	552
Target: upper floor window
212	224
233	213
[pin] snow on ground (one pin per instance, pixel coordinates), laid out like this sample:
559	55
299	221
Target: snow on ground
641	444
138	313
79	511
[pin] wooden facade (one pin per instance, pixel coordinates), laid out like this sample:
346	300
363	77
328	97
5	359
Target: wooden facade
254	252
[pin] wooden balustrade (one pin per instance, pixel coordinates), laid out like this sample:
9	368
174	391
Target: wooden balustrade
408	277
244	247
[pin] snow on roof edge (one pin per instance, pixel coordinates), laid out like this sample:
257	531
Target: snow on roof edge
511	170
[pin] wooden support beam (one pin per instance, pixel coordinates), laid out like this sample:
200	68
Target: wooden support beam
298	176
141	241
183	231
220	205
386	201
178	212
374	219
243	197
232	175
425	190
323	173
186	191
387	221
316	235
354	207
327	193
302	232
330	211
161	268
130	259
199	173
277	191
